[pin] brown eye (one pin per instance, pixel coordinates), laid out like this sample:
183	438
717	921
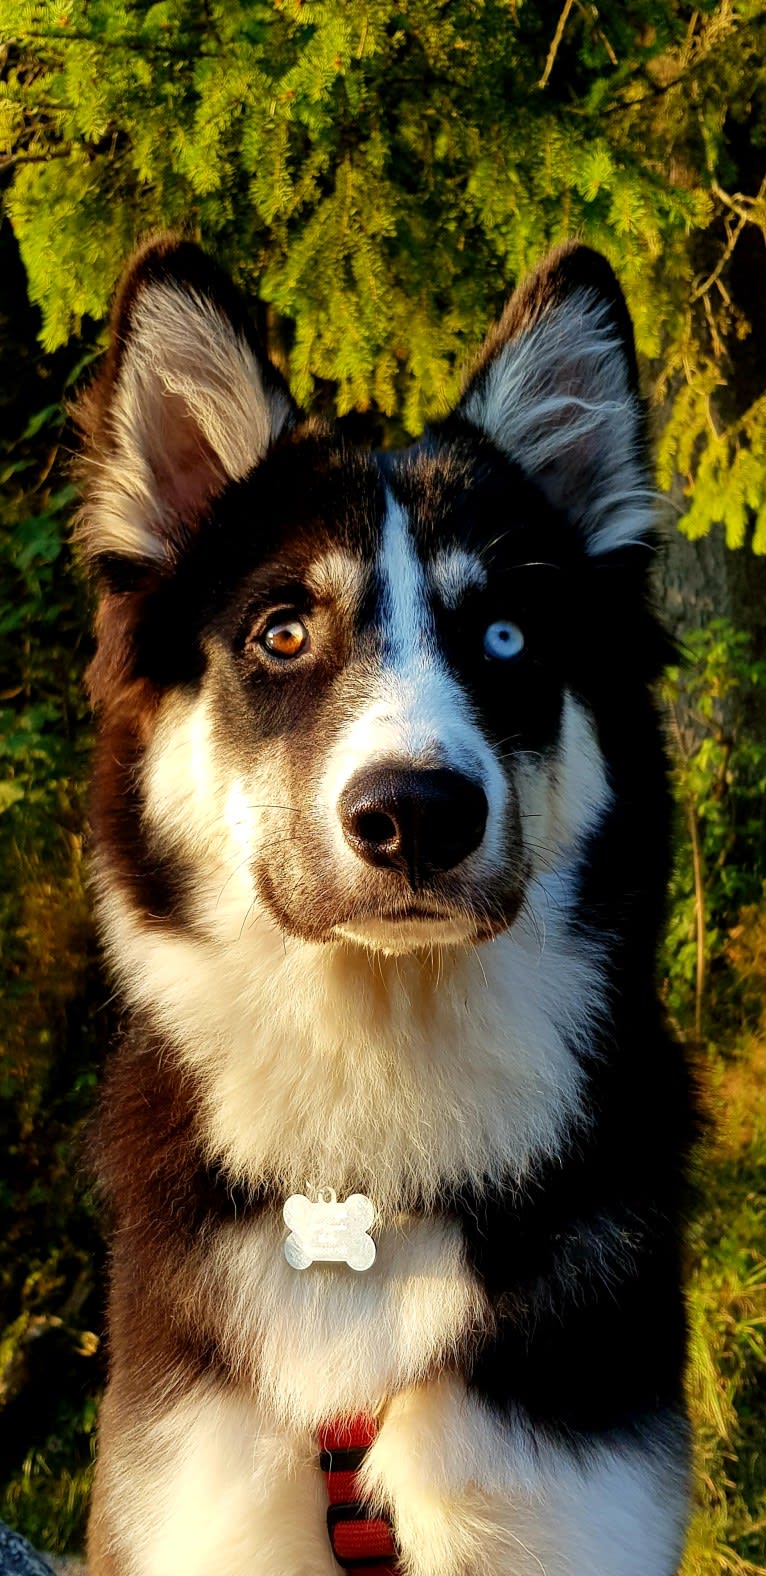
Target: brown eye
285	637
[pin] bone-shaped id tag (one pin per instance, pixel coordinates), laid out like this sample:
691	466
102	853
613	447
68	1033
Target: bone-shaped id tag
322	1230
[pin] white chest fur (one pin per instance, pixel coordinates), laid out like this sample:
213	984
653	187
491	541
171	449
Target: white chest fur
329	1339
390	1076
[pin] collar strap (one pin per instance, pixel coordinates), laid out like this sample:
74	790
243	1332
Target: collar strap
360	1541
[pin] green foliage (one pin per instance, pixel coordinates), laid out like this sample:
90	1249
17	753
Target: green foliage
720	763
381	175
49	1303
728	465
727	1305
717	995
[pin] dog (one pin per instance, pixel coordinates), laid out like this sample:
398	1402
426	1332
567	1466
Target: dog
393	1146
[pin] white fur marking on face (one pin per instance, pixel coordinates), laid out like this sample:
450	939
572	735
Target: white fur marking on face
471	1492
453	572
407	620
338	577
556	398
179	770
582	789
562	798
210	816
204	812
417	714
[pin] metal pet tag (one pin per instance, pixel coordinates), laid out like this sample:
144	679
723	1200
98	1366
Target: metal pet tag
322	1230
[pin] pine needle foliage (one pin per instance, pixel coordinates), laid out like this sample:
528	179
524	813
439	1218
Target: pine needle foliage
714	963
52	1019
380	175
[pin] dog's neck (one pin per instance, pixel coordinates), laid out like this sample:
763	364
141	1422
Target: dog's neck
333	1066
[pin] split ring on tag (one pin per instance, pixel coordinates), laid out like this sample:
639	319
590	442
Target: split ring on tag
324	1231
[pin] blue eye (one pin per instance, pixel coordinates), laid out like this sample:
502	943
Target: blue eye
503	640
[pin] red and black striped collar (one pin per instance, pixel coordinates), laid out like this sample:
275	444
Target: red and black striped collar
361	1539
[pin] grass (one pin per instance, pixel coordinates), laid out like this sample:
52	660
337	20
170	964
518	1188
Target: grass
727	1303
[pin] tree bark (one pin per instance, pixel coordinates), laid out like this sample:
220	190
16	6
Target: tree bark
695	582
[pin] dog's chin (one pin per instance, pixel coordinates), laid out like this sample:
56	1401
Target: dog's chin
394	936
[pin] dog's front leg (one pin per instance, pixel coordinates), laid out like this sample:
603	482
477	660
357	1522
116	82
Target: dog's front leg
206	1485
471	1494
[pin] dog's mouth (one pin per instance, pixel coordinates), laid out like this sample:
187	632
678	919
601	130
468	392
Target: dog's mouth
394	921
419	926
411	934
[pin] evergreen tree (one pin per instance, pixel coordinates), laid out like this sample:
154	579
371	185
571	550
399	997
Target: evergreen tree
381	175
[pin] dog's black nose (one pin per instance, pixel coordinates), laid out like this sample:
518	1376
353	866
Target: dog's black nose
416	822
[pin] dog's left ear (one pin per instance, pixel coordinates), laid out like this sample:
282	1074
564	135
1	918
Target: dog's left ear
186	402
556	390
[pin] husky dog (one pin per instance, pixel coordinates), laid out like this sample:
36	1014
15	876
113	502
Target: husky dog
381	833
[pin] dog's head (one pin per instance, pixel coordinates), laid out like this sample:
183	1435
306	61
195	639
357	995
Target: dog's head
361	697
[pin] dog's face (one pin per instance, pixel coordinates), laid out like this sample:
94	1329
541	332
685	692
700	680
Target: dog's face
360	697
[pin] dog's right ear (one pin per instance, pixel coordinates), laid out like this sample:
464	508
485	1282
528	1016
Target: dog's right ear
186	401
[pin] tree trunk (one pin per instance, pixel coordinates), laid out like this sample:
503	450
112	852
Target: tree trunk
699	581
